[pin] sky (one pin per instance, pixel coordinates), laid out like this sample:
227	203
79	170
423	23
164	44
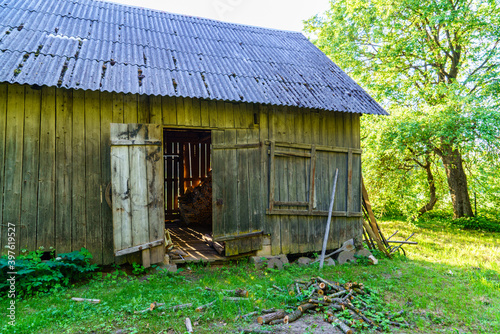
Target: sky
277	14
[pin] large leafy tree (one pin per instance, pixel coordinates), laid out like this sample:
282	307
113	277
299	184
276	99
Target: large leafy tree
435	64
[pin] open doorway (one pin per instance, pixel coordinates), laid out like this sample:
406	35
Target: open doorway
188	194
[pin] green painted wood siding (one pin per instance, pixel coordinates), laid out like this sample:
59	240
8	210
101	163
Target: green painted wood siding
55	166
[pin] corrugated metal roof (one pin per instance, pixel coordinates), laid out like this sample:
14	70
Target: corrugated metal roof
97	45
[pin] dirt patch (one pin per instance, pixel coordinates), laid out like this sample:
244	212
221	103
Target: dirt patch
309	323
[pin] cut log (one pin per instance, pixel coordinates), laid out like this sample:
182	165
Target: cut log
346	329
345	257
265	319
269	310
305	307
275	322
292	316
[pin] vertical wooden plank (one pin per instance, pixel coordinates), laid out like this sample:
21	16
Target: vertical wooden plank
155	111
3	130
294	180
169	205
220	120
213	112
350	199
256	210
195	112
283	123
188	112
143	109
218	189
117	107
46	172
181	111
130	108
228	115
231	170
138	189
273	222
204	113
27	234
307	138
120	178
169	111
93	174
243	191
356	128
64	152
13	161
156	206
106	213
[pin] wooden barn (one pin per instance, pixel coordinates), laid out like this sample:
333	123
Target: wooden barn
109	113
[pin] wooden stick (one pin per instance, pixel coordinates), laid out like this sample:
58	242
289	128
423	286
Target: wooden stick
275	322
328	221
346	329
265	319
189	327
397	247
335	287
93	301
337	294
181	306
203	307
359	313
392	235
277	288
403	242
234	299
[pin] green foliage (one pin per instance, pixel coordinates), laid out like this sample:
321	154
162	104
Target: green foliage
35	275
481	223
434	67
138	269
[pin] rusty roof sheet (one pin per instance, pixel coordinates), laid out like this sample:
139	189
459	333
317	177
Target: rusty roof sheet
97	45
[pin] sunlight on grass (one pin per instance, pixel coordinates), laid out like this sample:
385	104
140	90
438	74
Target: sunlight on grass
448	283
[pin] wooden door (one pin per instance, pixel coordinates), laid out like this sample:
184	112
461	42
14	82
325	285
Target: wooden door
236	189
138	198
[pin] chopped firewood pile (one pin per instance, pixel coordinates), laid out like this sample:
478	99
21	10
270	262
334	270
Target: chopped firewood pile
195	205
344	305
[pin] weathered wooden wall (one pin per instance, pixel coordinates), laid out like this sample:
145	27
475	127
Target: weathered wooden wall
55	165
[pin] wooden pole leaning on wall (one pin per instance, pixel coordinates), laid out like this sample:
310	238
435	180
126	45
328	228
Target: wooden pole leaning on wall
371	227
327	232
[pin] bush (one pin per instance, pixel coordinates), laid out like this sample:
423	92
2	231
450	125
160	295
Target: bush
477	223
35	275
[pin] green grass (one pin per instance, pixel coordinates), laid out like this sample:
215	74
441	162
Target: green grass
449	283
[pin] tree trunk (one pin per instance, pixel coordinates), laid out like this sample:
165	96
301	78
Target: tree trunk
457	180
432	188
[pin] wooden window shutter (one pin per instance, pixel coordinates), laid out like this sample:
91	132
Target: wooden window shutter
137	185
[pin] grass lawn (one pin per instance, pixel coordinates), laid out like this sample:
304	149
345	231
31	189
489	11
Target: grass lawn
448	283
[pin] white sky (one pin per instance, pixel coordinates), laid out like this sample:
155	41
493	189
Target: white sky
277	14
